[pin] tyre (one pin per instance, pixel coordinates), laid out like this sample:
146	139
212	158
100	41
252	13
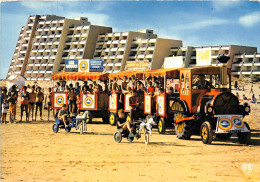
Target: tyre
206	133
112	119
128	117
146	138
224	136
161	126
183	130
55	128
118	137
244	137
130	137
67	129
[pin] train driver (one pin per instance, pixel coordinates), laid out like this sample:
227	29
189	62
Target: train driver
202	83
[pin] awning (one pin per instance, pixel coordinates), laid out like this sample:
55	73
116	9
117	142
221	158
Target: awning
137	73
80	75
170	73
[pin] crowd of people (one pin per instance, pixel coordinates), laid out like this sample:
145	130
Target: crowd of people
33	100
31	103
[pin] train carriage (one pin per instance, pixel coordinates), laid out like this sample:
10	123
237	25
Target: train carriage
157	106
93	102
114	104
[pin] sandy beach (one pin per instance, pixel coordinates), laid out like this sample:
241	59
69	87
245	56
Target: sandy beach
32	152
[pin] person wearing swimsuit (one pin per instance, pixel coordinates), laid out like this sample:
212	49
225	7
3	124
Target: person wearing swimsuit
38	102
24	103
32	97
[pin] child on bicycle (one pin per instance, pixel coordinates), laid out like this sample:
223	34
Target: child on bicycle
121	121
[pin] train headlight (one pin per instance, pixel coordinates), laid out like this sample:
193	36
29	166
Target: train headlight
210	109
247	109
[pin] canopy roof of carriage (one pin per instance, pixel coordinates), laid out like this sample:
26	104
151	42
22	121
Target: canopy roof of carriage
168	72
80	76
137	73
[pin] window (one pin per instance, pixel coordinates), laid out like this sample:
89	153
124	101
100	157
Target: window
201	81
182	81
187	81
215	81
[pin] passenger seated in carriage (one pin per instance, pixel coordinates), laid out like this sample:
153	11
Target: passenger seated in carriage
63	116
124	84
134	104
122	123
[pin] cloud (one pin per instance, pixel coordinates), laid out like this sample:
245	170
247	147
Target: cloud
197	25
94	18
250	20
39	5
224	4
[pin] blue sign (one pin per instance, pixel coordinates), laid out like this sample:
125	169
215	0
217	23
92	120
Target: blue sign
71	65
95	65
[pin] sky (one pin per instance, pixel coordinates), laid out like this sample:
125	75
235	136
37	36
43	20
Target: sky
196	23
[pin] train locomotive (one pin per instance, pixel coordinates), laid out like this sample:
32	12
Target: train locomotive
207	107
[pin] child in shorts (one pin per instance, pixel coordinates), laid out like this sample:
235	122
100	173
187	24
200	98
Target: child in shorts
4	111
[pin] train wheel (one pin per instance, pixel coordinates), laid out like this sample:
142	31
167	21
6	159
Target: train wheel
224	136
244	137
128	117
161	126
88	118
55	128
206	133
112	118
183	130
118	137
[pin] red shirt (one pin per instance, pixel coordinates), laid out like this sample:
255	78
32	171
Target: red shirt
150	89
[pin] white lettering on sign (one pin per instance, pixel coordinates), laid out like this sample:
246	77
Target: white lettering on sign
185	92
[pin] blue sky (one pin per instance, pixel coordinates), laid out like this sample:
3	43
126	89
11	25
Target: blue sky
197	23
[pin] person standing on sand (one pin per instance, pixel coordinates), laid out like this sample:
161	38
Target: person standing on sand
251	90
14	94
49	98
38	102
237	95
24	103
32	97
4	107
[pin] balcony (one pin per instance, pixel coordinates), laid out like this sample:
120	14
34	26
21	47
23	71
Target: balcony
17	72
118	64
28	71
115	42
112	57
120	56
123	41
150	48
113	49
149	56
110	64
140	56
19	65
